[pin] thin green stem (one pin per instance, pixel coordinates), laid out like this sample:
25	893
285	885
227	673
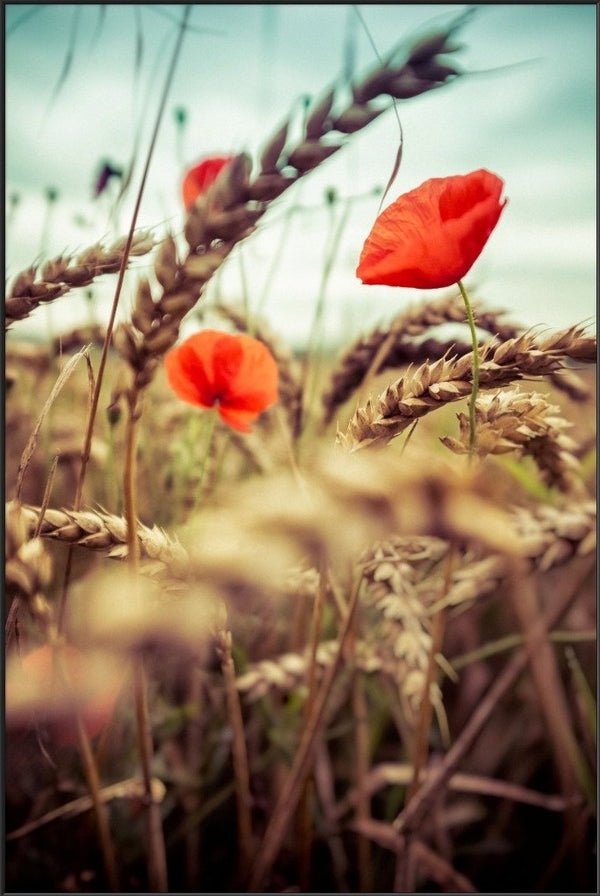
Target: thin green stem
475	389
313	344
211	423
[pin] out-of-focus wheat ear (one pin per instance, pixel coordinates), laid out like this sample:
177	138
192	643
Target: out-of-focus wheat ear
28	569
287	672
553	535
526	423
100	531
402	632
62	274
92	334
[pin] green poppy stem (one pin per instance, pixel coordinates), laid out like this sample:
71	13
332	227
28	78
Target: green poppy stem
475	388
210	424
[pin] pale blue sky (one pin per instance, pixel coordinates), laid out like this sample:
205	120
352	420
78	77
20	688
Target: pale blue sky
533	122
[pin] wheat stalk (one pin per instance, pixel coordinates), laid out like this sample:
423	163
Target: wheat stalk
450	379
527	423
396	347
60	275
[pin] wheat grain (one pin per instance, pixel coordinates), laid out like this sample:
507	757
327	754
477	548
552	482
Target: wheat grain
28	568
101	531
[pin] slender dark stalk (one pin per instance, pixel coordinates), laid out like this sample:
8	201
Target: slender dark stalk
292	786
414	813
85	454
240	757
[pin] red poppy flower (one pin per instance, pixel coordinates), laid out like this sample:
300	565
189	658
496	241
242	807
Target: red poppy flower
431	236
199	178
96	712
236	372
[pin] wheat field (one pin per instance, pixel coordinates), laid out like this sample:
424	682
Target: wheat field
341	652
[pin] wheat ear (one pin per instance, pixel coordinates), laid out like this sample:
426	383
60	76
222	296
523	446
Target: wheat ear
449	379
524	422
60	275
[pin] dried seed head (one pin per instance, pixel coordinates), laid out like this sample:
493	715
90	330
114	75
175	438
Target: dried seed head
267	187
127	342
433	70
372	86
310	154
195	224
316	125
202	267
355	118
145	311
232	225
432	45
407	84
273	149
230	188
165	264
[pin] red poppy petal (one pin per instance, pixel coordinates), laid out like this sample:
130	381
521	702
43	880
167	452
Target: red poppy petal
237	419
198	179
431	236
188	372
256	385
227	359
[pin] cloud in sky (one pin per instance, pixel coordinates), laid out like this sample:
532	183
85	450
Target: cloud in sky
533	121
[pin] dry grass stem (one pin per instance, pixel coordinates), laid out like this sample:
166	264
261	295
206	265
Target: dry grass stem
412	815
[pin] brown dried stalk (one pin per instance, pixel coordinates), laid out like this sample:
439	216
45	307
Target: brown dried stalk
450	379
240	757
62	274
389	774
550	536
526	423
412	816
